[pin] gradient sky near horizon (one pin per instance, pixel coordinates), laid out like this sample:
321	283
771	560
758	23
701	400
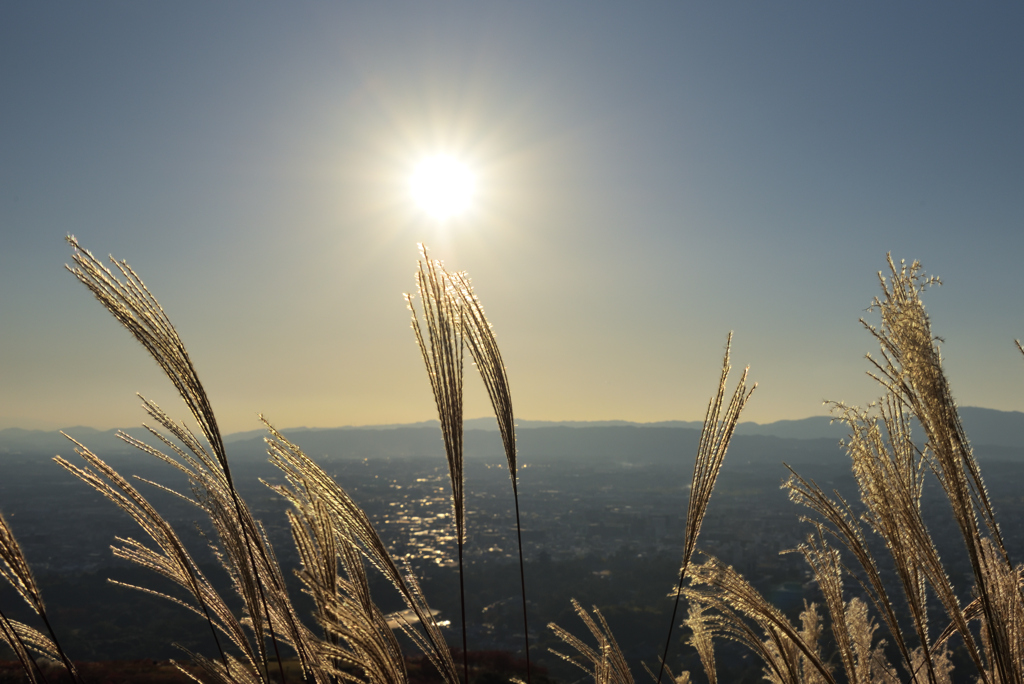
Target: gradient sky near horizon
651	176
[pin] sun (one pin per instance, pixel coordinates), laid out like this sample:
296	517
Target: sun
443	186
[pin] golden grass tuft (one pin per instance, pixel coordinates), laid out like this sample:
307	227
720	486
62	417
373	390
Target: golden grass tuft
350	639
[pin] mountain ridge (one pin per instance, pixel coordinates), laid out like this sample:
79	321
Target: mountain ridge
988	427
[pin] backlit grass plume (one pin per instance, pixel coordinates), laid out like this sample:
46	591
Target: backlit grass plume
483	347
132	304
890	469
719	425
332	534
344	605
605	663
260	586
790	653
443	350
701	640
349	639
910	369
714	442
23	639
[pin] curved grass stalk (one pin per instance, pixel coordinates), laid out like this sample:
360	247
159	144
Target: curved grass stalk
11	633
15	570
442	350
701	641
357	633
786	651
714	442
911	371
134	306
309	486
606	664
852	630
847	529
173	561
483	346
890	474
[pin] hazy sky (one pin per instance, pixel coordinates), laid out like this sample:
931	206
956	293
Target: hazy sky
651	177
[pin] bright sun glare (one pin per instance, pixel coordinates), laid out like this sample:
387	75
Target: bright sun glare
442	186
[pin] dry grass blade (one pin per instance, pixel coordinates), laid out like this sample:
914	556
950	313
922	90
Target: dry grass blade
827	570
13	633
135	307
890	475
786	652
714	442
356	633
700	639
172	561
846	528
14	569
309	486
911	371
442	350
606	663
358	621
483	346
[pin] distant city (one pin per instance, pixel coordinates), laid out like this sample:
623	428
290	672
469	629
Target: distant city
604	504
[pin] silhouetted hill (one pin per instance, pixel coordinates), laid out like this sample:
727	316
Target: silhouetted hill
18	441
995	434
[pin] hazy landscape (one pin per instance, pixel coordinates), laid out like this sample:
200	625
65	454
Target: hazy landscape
604	507
309	207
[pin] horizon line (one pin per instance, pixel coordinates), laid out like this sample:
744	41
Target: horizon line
520	423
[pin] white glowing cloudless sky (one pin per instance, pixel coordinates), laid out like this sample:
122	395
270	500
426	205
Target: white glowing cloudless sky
650	177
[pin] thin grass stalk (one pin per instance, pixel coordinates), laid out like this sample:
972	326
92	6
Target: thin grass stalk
308	483
827	571
16	571
846	529
891	478
732	596
483	347
911	369
714	442
185	572
134	306
68	665
607	663
522	588
14	640
443	358
701	641
213	498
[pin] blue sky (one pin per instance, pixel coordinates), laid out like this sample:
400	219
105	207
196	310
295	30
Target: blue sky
651	177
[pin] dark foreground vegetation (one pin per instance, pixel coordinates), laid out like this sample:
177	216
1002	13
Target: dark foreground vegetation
887	606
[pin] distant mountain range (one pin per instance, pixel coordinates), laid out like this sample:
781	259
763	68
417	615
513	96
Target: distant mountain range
995	434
